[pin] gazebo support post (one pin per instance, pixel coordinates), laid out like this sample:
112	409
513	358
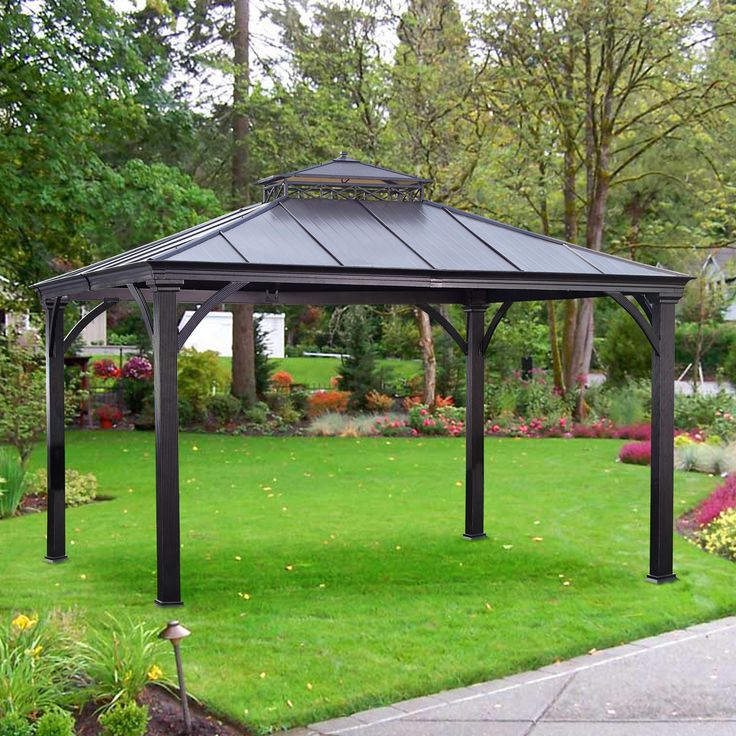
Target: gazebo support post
55	455
662	469
474	423
165	349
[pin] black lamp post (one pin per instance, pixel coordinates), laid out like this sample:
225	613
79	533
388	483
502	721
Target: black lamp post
175	632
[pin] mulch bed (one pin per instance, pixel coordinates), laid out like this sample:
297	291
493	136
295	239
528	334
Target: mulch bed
166	718
35	503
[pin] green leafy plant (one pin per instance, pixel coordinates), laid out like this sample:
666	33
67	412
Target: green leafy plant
22	397
358	375
224	407
39	669
15	725
55	722
80	488
257	414
13	483
120	659
125	719
200	376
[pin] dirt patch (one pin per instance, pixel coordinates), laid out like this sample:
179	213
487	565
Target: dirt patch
166	718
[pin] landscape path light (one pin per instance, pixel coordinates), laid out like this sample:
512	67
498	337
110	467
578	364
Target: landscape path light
175	632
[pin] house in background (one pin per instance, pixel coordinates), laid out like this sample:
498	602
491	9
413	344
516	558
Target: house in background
720	267
215	332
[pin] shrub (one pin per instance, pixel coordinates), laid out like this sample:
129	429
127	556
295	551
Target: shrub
137	375
533	397
625	352
119	659
282	380
376	401
80	488
719	537
448	421
712	412
39	670
55	722
201	374
224	407
636	453
187	415
15	725
257	414
105	368
720	500
392	426
13	483
321	402
638	432
22	398
125	719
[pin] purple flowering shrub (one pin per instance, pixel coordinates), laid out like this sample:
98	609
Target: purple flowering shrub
138	368
636	453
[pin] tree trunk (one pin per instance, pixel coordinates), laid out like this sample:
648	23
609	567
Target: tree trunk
243	381
429	360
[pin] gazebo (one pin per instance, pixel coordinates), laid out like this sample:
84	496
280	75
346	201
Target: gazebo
347	232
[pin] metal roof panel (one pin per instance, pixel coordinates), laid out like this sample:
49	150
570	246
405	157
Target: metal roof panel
438	237
354	237
274	237
531	253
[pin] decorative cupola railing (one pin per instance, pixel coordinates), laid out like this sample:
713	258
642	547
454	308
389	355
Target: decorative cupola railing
344	178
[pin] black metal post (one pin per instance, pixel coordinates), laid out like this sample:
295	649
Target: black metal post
55	460
474	423
165	348
662	470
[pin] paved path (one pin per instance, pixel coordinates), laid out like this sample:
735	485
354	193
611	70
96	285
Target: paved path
682	683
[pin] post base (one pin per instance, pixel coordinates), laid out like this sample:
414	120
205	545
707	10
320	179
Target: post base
474	537
55	560
661	579
168	604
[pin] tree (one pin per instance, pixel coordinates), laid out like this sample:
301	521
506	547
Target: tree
358	370
244	363
74	84
616	79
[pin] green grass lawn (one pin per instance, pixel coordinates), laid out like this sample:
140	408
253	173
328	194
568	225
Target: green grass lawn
359	582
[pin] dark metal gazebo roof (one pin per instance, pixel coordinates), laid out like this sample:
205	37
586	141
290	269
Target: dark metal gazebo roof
379	233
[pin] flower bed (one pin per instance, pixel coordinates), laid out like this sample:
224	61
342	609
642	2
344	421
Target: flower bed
636	453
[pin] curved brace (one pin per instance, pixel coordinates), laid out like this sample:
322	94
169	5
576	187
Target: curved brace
54	307
143	306
445	323
72	335
497	317
639	318
205	308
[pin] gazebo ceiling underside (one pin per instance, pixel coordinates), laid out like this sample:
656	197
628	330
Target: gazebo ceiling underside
362	251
